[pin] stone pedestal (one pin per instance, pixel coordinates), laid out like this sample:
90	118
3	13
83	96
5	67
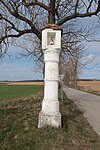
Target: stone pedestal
50	114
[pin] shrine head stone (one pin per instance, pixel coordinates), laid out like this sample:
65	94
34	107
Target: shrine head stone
51	37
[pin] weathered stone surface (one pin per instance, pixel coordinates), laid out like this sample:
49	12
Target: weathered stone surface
51	45
51	120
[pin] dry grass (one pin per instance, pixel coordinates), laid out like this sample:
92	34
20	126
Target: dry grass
19	120
89	86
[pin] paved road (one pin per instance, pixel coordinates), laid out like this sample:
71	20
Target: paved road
89	104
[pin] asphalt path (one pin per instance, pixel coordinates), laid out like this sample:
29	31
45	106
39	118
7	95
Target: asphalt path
88	103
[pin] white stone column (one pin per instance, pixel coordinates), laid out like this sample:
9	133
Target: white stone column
50	114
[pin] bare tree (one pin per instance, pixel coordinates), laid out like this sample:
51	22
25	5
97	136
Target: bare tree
25	18
20	17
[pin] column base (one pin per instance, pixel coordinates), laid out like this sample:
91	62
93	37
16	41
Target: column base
53	120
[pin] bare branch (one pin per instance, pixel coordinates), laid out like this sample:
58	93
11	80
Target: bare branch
76	6
16	15
15	35
77	15
36	2
89	6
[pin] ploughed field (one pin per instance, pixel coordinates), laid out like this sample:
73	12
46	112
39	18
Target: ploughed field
22	83
92	86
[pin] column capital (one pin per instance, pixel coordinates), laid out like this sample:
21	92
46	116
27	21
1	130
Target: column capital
51	26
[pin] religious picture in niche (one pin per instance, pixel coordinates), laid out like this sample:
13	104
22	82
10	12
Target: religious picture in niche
51	38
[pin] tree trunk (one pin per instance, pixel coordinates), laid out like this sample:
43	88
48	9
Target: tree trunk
51	15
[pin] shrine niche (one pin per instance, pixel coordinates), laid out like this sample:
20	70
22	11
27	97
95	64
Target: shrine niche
51	38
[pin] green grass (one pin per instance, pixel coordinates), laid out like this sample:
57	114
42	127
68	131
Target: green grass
16	91
18	127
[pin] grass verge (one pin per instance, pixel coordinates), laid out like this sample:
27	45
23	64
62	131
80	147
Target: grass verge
19	120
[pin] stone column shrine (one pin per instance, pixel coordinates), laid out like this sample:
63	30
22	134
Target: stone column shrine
51	46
